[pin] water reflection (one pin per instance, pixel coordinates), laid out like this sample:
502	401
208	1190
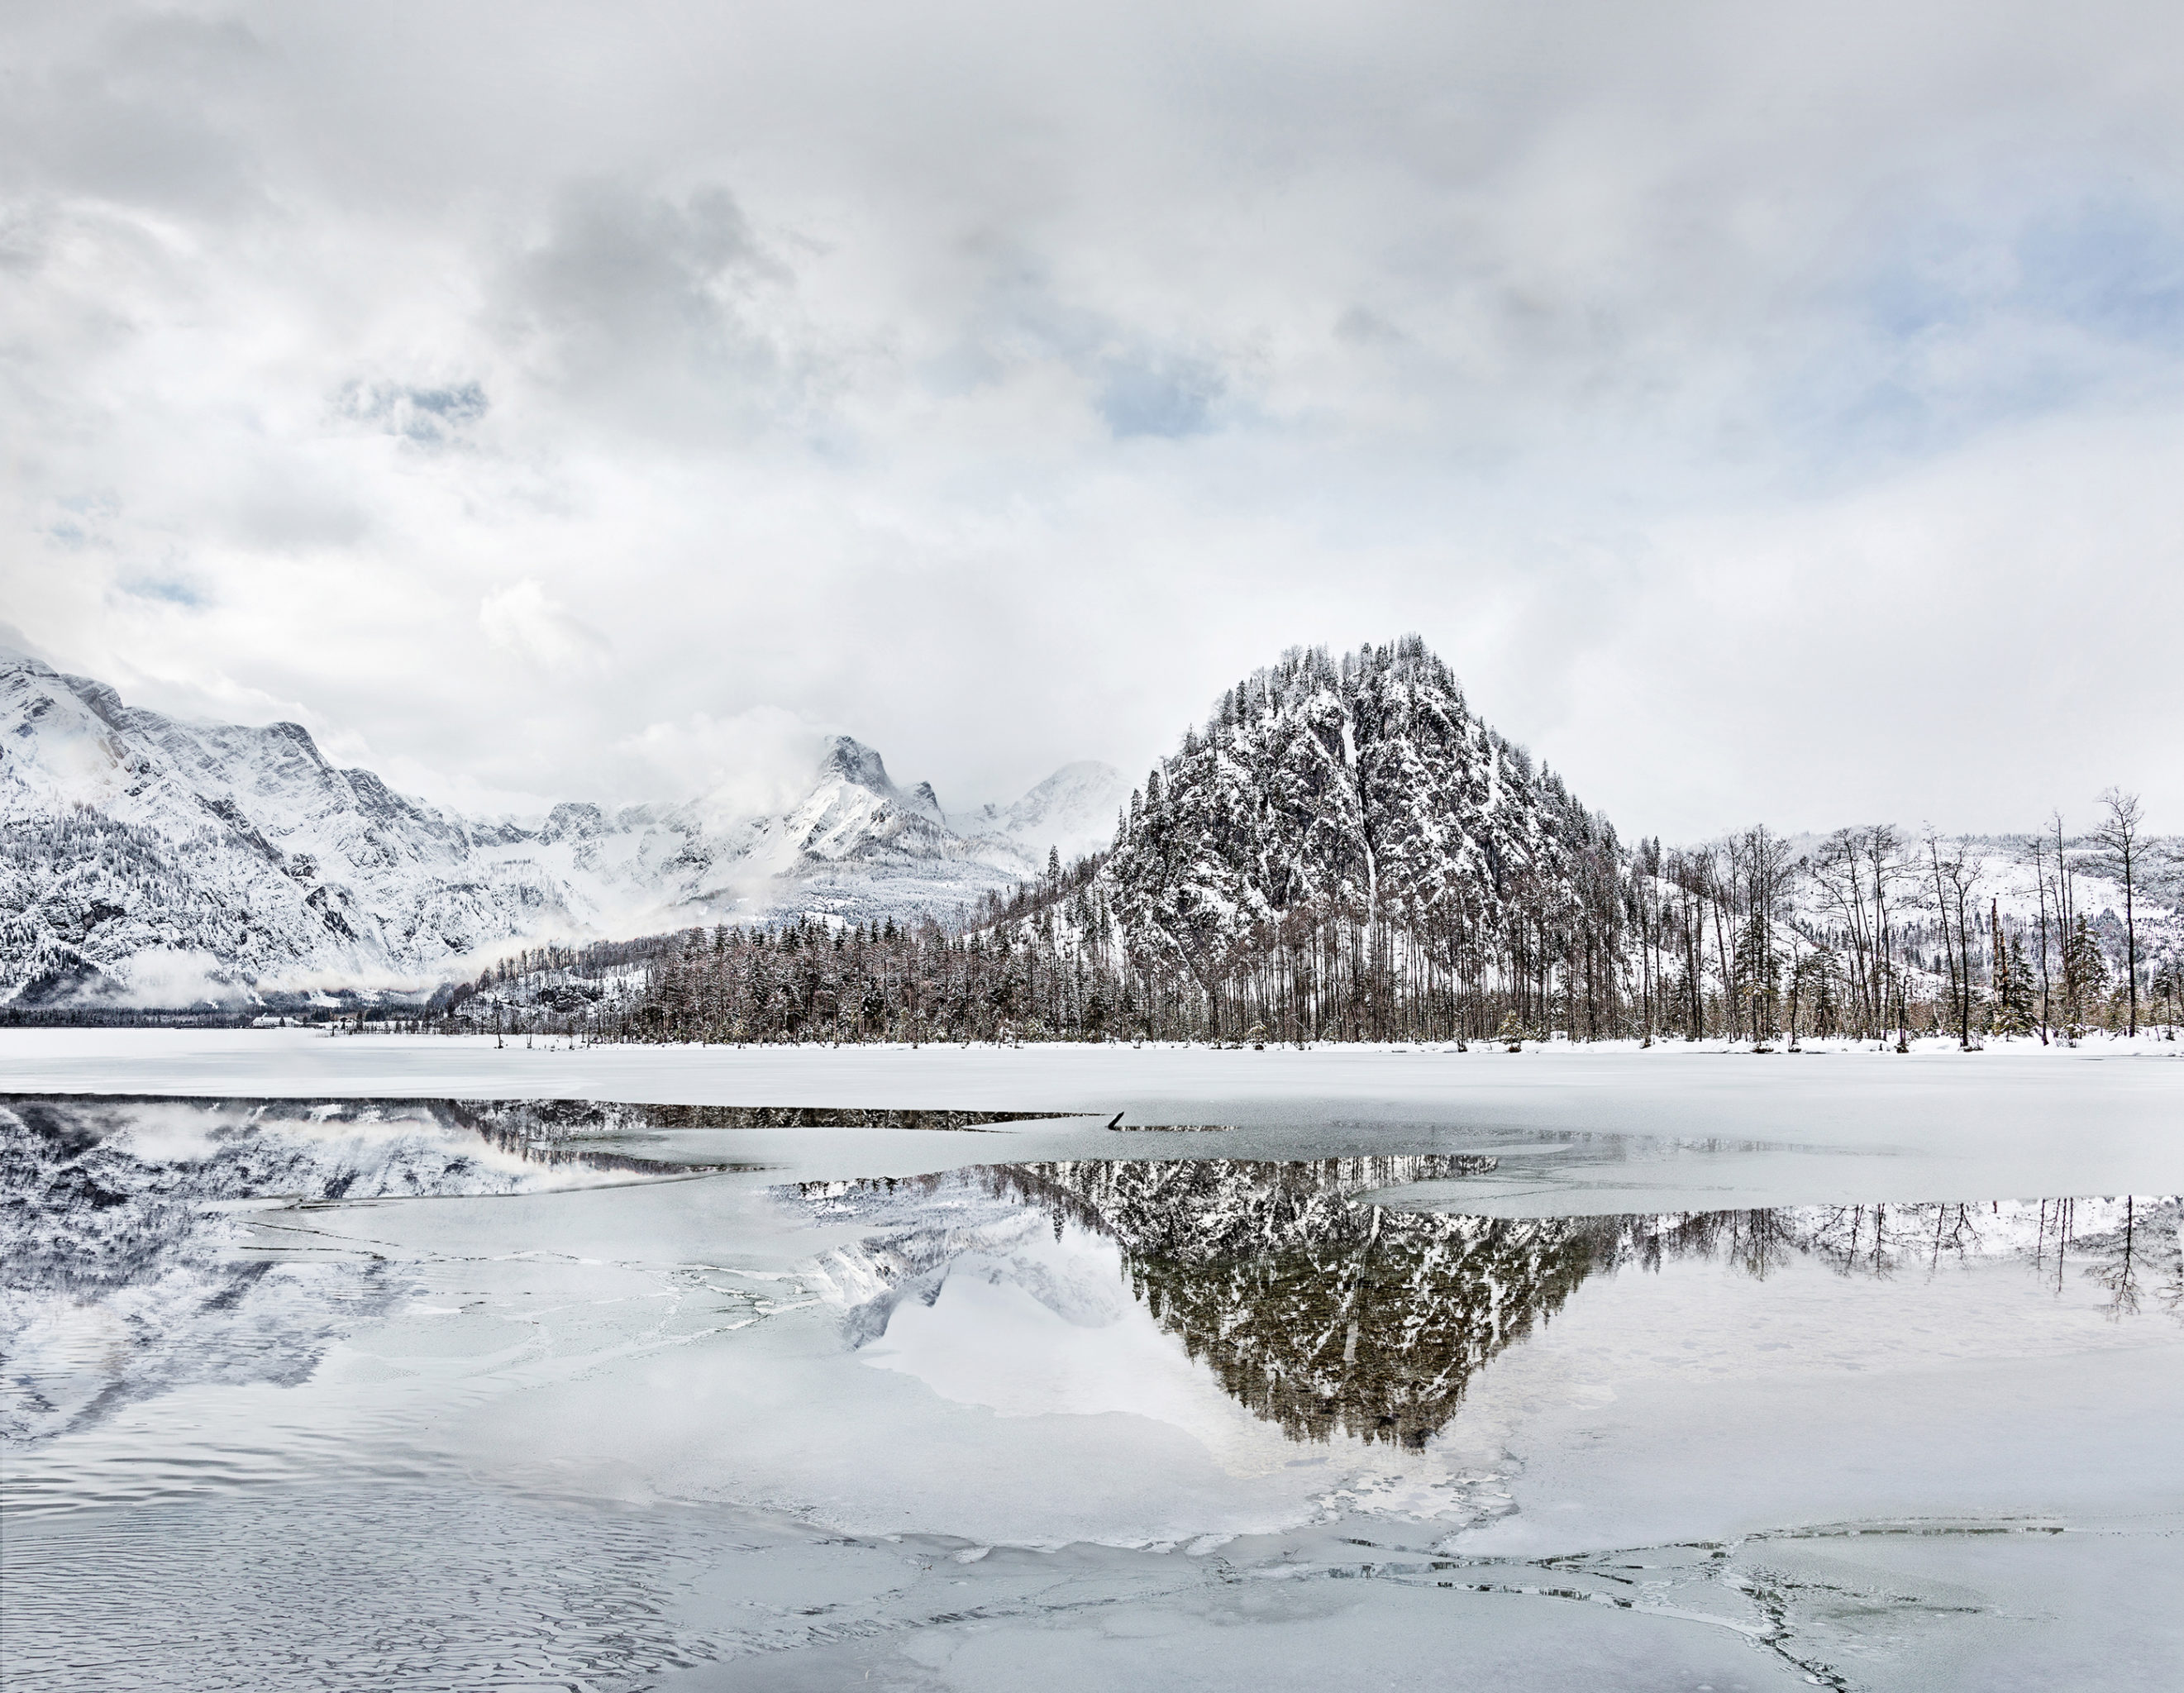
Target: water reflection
1325	1314
128	1265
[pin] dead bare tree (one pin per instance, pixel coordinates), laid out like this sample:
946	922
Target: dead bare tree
1956	880
2040	887
2120	832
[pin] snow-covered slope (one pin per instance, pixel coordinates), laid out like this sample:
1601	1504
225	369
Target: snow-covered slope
164	860
163	856
1073	811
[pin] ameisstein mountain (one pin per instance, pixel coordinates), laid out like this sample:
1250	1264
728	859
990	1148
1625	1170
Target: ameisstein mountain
1359	790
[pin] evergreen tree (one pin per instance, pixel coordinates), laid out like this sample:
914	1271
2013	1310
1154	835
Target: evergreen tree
2084	974
1758	975
1817	982
2016	996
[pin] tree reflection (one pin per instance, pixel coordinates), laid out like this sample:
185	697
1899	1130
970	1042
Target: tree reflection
1317	1312
1325	1314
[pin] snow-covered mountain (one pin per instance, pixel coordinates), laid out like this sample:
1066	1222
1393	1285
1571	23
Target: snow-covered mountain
1361	783
161	861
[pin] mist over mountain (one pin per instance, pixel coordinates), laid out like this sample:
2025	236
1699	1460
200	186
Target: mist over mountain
155	861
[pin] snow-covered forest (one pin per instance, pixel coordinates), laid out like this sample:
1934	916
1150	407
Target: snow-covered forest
1344	852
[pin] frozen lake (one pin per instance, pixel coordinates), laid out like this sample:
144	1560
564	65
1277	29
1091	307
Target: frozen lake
371	1361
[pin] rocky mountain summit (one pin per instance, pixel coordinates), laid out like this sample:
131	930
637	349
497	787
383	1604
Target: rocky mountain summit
148	860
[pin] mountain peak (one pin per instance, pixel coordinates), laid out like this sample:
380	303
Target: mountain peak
1406	803
925	802
239	849
854	761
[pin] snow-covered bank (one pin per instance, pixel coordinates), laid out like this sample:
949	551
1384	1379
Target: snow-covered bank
1671	1126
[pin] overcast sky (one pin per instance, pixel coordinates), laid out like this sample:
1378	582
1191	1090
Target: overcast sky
1772	413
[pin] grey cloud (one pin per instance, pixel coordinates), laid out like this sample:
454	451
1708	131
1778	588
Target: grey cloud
654	306
286	508
153	110
1364	328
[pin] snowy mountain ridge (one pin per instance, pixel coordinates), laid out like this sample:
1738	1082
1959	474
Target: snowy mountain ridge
149	860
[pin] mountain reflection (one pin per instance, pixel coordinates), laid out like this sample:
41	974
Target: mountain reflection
1324	1314
1316	1312
127	1270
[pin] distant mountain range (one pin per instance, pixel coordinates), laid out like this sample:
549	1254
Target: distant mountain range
150	860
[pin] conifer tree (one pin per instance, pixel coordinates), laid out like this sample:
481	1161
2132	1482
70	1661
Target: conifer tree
2084	973
2016	996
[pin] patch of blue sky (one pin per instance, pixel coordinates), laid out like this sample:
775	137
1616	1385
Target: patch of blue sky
169	590
1958	332
81	524
2110	266
1138	387
465	403
1170	397
1857	410
424	416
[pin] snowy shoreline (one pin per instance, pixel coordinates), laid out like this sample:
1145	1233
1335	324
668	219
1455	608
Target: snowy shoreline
2012	1121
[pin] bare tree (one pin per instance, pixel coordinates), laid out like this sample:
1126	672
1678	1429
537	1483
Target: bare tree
1884	851
2040	887
1956	880
2120	834
1857	871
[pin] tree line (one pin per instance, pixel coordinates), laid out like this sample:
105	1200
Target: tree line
1869	934
1343	850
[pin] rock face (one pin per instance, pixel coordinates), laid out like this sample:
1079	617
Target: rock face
162	862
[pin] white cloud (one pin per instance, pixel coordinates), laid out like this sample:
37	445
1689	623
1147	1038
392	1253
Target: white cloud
1705	385
520	619
756	762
